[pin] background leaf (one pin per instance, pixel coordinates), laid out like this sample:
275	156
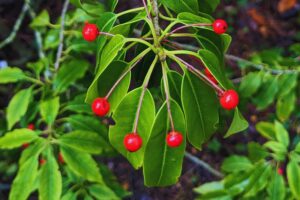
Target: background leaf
16	138
49	109
293	175
11	75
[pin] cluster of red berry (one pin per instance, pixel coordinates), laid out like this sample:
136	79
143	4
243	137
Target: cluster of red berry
132	141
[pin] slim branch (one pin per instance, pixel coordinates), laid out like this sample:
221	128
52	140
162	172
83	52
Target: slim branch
186	26
16	27
146	8
61	35
204	165
156	17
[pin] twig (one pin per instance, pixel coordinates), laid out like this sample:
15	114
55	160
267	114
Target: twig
61	35
186	26
156	17
16	27
146	8
204	165
261	66
37	34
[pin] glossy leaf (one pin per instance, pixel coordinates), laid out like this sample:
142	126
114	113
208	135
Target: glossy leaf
93	8
293	176
16	138
49	110
236	163
107	80
85	141
179	6
11	75
189	18
163	164
102	192
125	116
18	106
238	124
22	185
81	164
200	106
50	185
68	73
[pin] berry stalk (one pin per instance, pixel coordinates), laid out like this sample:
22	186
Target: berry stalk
186	26
167	92
145	85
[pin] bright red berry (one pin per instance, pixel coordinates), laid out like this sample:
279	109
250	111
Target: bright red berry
280	171
90	32
210	76
133	142
42	161
174	139
229	99
61	158
31	126
25	145
220	26
100	106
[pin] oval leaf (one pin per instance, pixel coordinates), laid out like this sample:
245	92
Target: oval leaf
16	138
49	109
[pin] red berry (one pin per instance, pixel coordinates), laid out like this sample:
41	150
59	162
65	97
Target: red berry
90	32
25	145
174	139
210	76
42	161
229	100
100	106
31	126
60	158
132	142
280	171
220	26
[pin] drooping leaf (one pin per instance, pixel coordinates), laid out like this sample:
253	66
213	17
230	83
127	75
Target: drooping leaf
236	163
162	164
238	124
11	75
250	84
23	183
285	106
16	138
125	117
81	164
50	185
85	141
49	109
18	106
107	80
286	83
200	107
102	192
68	73
293	176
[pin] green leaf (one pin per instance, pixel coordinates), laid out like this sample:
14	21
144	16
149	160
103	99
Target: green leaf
236	163
293	176
285	106
78	105
125	116
200	107
49	109
68	73
238	124
85	141
18	106
34	150
23	183
163	164
69	196
179	6
106	81
41	20
282	135
111	4
208	6
266	129
267	93
109	52
278	149
11	75
210	60
287	82
250	84
50	185
93	8
209	188
102	192
276	189
81	164
17	137
256	152
189	18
